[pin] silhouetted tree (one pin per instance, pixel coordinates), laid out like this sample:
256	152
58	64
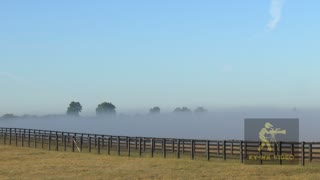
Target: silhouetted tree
182	110
29	116
74	108
154	110
9	116
200	110
178	109
106	108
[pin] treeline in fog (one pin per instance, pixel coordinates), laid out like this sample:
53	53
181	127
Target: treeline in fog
106	109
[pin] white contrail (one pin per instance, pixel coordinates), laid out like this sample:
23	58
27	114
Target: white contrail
275	11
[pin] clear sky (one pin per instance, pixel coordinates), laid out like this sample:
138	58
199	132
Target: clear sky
168	53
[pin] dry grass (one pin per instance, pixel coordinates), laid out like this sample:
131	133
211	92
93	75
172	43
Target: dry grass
28	163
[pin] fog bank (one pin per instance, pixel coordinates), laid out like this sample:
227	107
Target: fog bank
218	125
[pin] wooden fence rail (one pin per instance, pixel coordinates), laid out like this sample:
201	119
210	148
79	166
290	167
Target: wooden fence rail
144	146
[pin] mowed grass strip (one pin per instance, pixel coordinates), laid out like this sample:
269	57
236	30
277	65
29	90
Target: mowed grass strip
28	163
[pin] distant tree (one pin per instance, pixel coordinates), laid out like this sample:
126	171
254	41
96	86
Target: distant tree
74	108
185	109
182	110
178	109
106	108
154	110
200	110
29	116
9	116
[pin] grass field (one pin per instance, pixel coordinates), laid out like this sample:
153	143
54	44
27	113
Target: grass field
28	163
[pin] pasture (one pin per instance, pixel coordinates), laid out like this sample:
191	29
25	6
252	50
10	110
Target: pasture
29	163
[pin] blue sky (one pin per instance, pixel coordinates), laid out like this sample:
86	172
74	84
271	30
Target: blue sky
139	54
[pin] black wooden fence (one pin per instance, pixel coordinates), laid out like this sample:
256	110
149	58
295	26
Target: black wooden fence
151	146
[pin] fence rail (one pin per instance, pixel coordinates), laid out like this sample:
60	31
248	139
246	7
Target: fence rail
142	146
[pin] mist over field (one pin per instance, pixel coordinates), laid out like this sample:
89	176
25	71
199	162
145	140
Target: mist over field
215	125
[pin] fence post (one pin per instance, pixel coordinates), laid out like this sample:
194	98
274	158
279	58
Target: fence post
28	137
99	145
172	145
108	142
192	149
95	140
144	145
280	152
24	133
182	146
241	152
151	143
232	147
310	152
49	143
65	143
260	152
57	142
302	153
292	149
208	150
136	143
73	139
108	145
140	147
178	148
126	142
164	148
118	144
19	134
42	143
10	136
35	140
111	141
224	151
1	133
102	142
218	148
128	147
68	136
245	150
21	138
89	144
16	138
81	142
5	138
